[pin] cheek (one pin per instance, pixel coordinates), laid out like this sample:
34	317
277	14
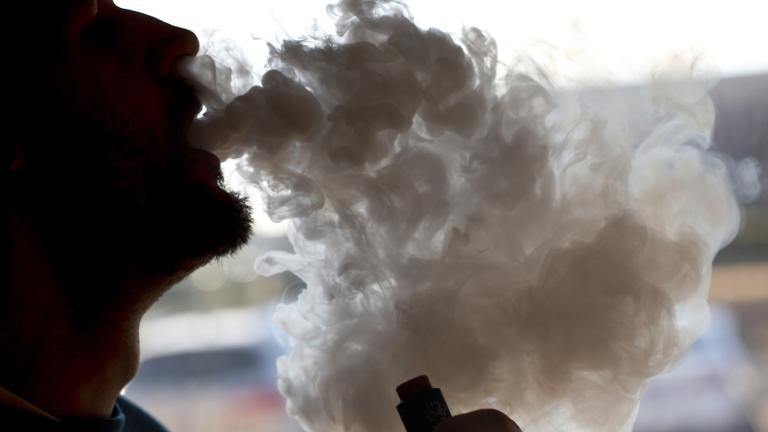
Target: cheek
122	134
140	106
137	130
124	97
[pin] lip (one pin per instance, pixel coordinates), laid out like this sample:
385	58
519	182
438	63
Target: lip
203	166
207	157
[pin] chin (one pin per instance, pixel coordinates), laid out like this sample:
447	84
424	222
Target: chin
188	226
218	224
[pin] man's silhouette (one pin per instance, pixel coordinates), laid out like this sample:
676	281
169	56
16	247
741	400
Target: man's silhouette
106	206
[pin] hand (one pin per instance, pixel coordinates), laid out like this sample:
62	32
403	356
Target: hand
484	420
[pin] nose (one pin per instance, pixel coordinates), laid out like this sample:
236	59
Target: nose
178	43
173	44
162	43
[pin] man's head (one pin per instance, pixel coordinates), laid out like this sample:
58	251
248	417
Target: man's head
102	167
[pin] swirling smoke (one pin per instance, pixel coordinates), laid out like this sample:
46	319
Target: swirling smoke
533	250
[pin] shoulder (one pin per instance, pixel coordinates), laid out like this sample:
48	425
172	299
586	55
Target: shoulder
126	417
136	419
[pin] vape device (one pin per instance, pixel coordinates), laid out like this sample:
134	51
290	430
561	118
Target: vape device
421	406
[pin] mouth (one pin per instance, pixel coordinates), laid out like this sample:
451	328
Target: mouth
202	166
189	106
183	106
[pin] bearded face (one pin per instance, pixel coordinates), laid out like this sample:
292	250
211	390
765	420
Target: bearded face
106	171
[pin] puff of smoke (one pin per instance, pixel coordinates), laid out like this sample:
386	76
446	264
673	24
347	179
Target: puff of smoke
533	251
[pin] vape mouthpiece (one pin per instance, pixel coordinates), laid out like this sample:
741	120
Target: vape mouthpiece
422	407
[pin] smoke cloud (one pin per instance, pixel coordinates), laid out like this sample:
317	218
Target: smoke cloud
532	250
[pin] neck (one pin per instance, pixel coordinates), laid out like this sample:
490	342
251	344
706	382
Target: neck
67	374
49	355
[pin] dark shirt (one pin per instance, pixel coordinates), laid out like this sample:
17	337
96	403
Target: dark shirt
126	417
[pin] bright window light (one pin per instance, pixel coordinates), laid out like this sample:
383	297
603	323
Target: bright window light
618	40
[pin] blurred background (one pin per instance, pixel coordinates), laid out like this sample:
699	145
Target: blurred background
209	348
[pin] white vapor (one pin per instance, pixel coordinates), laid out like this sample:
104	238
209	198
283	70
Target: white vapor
540	252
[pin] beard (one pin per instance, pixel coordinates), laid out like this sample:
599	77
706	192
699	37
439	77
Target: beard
122	207
180	223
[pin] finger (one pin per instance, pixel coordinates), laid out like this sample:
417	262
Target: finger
485	420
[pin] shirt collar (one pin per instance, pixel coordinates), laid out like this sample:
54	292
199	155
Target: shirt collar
13	400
